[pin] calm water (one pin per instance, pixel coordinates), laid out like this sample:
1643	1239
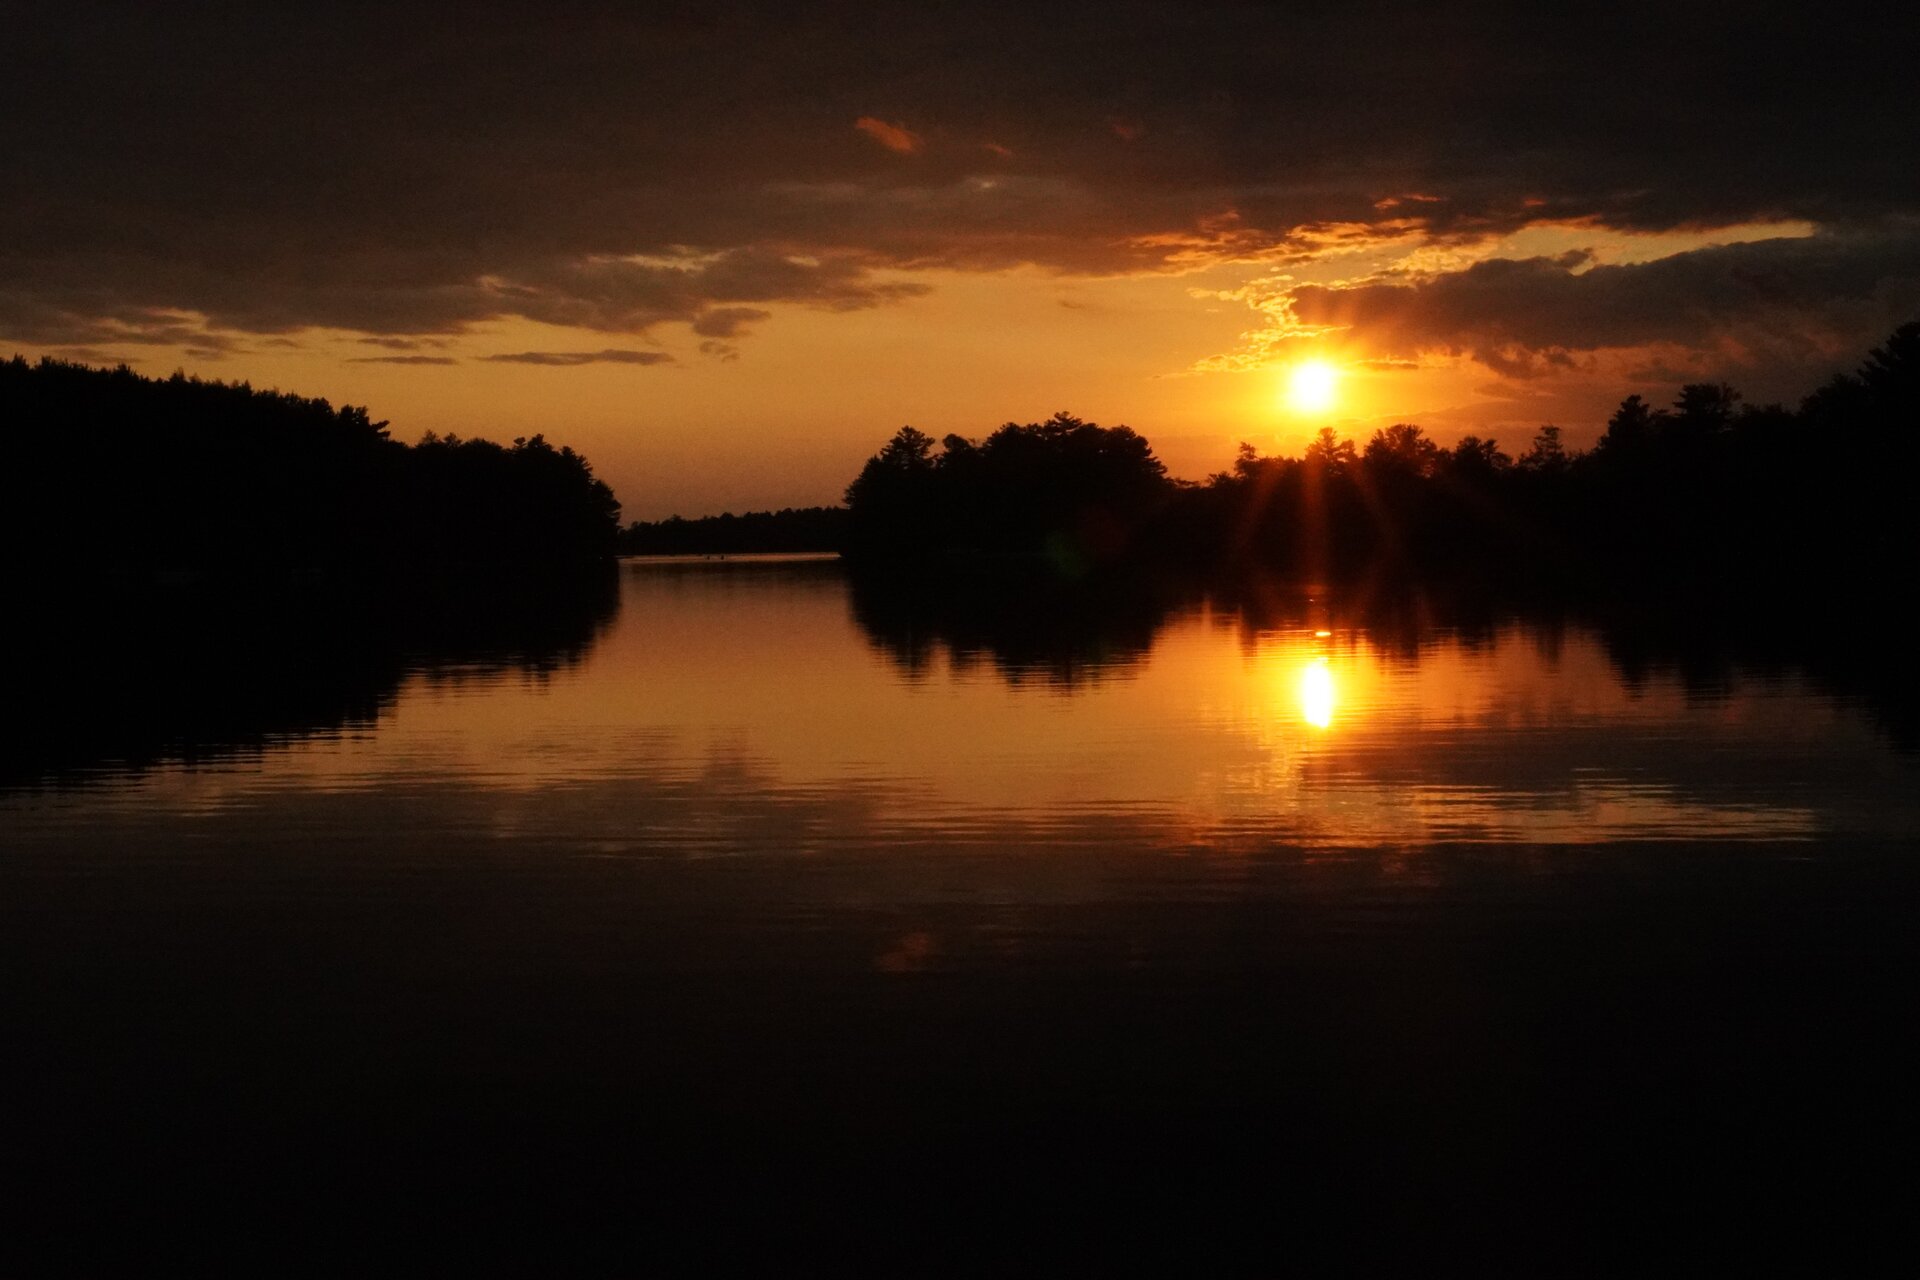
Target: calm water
754	913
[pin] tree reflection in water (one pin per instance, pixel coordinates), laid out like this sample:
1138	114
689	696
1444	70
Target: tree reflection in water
123	679
1029	624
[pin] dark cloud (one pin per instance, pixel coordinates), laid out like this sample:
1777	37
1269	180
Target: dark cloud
94	355
402	360
392	343
64	316
567	359
1760	303
381	170
727	322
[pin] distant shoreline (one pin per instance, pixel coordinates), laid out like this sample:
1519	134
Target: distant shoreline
735	557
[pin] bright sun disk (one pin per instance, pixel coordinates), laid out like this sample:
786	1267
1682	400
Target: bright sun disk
1310	387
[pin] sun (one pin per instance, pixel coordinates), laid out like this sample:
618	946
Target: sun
1311	386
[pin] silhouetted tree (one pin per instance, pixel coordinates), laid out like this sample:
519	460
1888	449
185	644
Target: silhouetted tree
1329	451
110	472
893	499
1838	405
1402	448
1634	425
1476	457
1546	455
1065	488
1891	376
1704	408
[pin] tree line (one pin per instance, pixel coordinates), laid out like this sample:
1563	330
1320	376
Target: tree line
1706	491
791	529
153	479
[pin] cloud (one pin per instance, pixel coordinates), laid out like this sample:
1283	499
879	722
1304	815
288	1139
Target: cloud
393	343
66	316
193	176
1758	303
568	359
894	137
402	360
94	355
727	322
632	294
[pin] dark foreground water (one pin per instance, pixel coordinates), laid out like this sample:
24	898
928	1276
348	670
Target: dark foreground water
746	916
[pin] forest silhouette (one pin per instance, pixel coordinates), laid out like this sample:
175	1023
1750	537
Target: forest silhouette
1709	492
791	529
184	481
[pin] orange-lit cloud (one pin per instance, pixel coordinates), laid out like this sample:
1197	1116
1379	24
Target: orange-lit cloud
894	137
1781	299
1764	301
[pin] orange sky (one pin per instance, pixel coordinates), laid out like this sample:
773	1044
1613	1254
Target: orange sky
788	414
727	249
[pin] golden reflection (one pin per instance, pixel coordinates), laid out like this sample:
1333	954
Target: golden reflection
1317	694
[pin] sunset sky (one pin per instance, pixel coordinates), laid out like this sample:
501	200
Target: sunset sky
727	250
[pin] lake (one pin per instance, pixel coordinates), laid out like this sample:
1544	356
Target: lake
740	911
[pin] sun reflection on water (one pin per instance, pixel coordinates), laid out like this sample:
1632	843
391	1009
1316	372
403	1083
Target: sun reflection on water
1317	694
690	713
